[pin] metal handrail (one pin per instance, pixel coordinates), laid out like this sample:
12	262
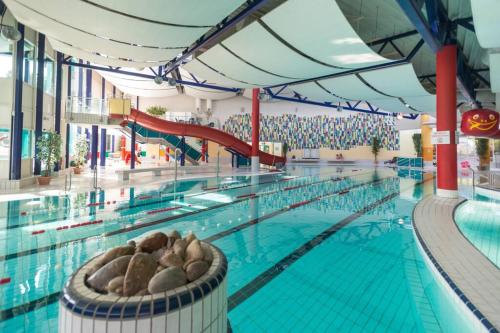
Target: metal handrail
66	189
176	162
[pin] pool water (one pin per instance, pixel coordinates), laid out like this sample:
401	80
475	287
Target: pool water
316	249
479	221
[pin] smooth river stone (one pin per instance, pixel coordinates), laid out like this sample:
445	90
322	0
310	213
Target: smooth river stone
140	270
100	279
196	269
174	234
180	248
208	256
169	278
116	283
111	255
171	259
194	252
190	237
160	253
153	242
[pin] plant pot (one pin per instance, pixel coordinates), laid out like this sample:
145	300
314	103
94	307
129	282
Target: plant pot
44	180
77	170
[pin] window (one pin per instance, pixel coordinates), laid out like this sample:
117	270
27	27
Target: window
6	50
29	62
48	76
27	146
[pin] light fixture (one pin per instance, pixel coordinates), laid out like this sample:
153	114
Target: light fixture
158	79
11	34
399	116
339	108
171	81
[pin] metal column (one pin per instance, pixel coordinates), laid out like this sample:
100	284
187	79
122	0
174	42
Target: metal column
183	151
132	147
93	148
39	98
103	147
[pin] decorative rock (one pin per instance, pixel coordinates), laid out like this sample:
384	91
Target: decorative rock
208	256
167	279
153	242
190	237
180	248
194	252
141	268
196	269
159	269
174	234
100	279
131	243
160	253
116	283
142	292
170	260
111	255
138	250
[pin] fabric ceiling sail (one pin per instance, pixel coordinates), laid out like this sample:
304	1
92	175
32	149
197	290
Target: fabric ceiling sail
224	62
351	87
321	30
397	81
314	92
272	55
85	41
201	71
178	12
390	105
110	24
98	59
486	22
425	104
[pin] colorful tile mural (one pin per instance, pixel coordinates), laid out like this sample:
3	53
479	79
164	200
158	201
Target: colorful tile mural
338	133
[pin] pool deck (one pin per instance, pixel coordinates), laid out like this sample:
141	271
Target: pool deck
474	278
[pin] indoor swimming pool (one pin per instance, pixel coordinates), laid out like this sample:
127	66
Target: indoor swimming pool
314	249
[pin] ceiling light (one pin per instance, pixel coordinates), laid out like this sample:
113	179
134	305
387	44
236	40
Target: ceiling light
158	79
171	81
11	34
399	116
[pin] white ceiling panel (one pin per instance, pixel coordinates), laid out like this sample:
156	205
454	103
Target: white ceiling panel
224	62
76	14
350	87
486	22
88	42
495	72
390	105
203	72
396	81
182	12
313	92
97	59
273	56
320	30
207	93
426	104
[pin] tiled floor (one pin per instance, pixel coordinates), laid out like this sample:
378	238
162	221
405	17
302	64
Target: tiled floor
463	265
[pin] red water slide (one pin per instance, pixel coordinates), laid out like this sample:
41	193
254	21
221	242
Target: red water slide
202	132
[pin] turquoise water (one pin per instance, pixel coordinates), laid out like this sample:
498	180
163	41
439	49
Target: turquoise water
479	221
320	249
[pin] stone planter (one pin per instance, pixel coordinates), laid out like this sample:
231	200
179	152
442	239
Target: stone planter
198	306
77	170
43	180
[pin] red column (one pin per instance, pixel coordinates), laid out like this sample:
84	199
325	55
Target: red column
255	122
446	117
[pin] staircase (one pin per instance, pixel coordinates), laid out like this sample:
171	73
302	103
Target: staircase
144	135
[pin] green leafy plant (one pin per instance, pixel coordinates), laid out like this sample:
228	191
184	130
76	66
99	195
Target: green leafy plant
49	150
417	143
81	150
156	110
483	152
286	149
376	146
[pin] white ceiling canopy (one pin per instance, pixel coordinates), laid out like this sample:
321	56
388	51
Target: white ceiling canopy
118	29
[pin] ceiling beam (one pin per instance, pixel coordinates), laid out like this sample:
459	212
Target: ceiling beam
437	31
243	16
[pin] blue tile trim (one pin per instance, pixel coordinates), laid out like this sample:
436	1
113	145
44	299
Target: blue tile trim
486	323
145	308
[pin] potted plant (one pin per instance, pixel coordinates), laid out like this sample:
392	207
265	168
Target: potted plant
483	152
376	146
49	150
417	143
156	110
81	151
285	149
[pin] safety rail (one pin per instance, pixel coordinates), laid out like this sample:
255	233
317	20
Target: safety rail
95	106
410	162
486	179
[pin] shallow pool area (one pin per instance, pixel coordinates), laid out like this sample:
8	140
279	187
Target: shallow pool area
313	249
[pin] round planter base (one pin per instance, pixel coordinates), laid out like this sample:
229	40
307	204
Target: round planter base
198	306
43	180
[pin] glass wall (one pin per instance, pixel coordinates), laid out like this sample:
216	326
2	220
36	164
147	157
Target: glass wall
6	51
27	150
29	62
48	76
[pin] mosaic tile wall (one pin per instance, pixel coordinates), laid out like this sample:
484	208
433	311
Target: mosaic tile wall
338	133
